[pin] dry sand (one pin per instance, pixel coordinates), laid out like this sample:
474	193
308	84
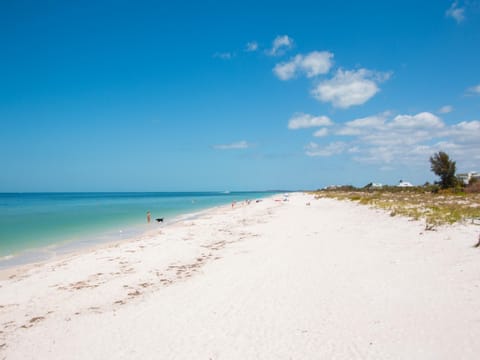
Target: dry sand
269	280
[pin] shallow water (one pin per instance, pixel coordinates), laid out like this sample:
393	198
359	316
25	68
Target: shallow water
35	226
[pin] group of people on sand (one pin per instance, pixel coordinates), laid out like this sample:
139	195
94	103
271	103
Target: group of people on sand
246	202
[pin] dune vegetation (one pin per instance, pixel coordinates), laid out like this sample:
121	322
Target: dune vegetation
419	203
448	201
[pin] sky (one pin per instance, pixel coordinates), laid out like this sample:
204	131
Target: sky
248	95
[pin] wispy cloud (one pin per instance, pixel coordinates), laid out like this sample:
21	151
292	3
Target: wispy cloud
312	64
223	55
235	145
466	132
302	121
445	109
334	148
456	12
321	132
280	45
474	90
251	46
350	87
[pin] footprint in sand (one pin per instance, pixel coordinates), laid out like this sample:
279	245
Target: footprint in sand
32	322
135	293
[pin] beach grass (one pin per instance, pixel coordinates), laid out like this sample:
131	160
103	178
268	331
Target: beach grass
436	209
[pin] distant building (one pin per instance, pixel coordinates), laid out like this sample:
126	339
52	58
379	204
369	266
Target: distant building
468	176
404	184
377	185
332	187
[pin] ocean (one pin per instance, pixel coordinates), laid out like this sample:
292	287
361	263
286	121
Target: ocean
37	226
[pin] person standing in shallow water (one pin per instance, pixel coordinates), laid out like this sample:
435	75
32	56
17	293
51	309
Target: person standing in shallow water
148	217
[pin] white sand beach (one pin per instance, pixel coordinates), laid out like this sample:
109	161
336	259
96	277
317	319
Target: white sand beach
268	280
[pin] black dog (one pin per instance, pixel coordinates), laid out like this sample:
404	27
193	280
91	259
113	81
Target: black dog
159	220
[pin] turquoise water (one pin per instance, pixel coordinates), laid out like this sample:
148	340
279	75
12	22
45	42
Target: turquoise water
35	225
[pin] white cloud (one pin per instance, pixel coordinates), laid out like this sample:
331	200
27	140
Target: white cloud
362	125
235	145
468	126
251	46
379	126
349	131
374	121
224	56
474	90
410	139
393	138
398	135
349	87
311	64
445	109
316	62
321	132
421	120
287	70
302	121
334	148
280	44
404	140
456	12
466	132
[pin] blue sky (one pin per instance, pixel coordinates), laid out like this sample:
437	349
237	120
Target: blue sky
148	96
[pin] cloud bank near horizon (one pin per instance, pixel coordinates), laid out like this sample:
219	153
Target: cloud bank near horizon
403	139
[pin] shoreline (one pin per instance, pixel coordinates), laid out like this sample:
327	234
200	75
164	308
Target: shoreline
34	226
62	249
303	278
18	269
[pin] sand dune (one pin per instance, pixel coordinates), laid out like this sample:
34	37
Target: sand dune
269	280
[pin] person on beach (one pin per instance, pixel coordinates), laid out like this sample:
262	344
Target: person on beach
148	217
